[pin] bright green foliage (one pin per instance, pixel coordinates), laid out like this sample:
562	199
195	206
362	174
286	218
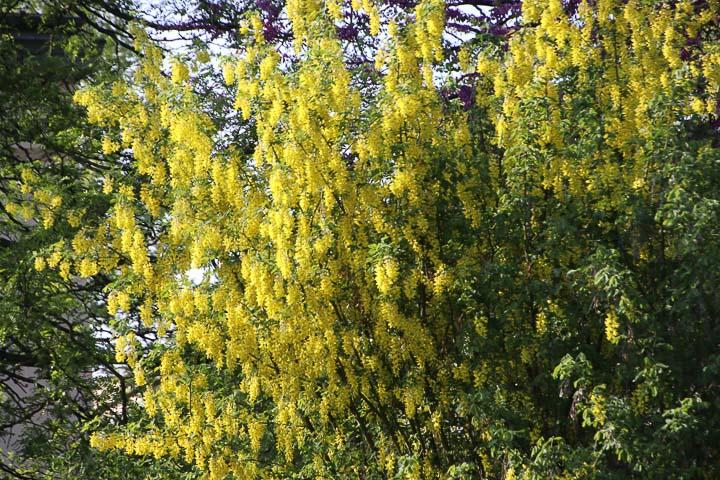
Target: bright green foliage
388	286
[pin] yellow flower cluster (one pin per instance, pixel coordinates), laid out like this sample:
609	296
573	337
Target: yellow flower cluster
612	326
636	51
292	296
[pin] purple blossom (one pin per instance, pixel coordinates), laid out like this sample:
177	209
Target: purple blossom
347	32
271	9
270	30
401	3
461	27
505	11
466	94
571	6
499	30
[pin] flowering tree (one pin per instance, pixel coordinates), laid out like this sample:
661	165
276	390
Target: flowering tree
430	242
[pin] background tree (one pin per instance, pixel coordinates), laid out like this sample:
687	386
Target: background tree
58	375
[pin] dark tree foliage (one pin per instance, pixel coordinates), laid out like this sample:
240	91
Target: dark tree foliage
58	375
